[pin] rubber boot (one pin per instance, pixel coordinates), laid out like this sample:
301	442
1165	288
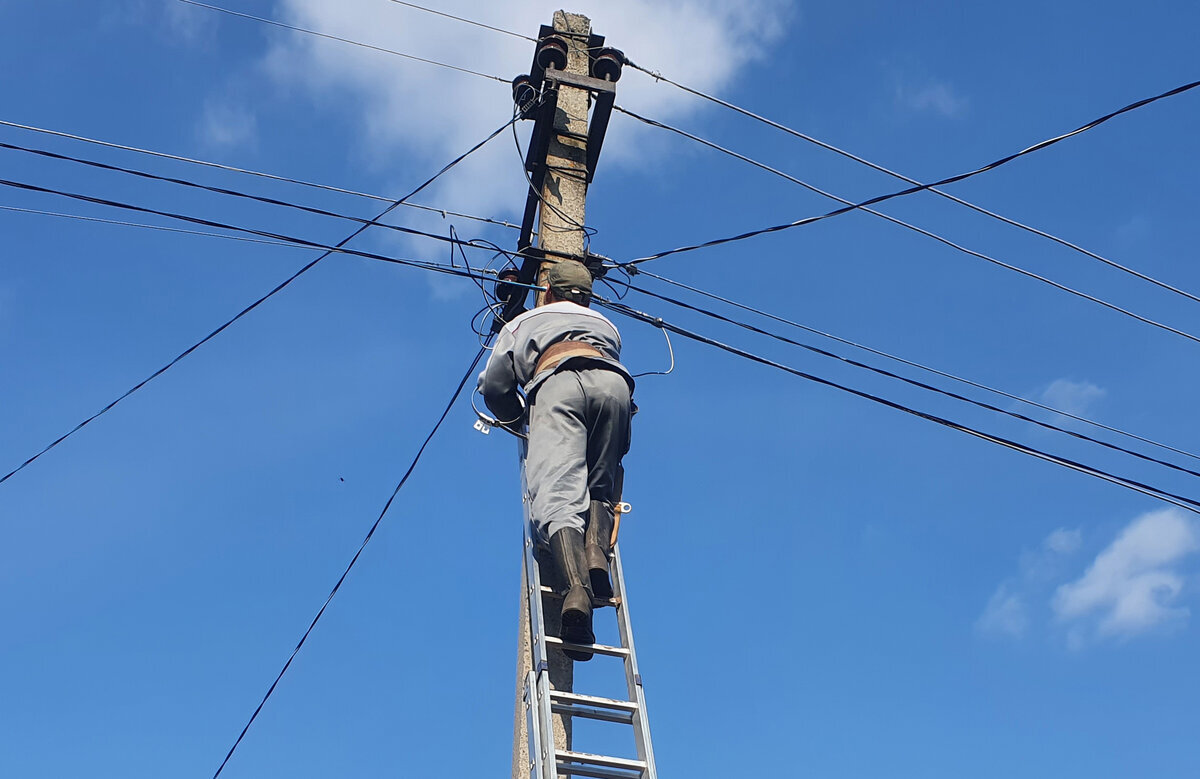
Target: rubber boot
567	546
598	547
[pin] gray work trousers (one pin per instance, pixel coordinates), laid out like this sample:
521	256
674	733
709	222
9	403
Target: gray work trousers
578	433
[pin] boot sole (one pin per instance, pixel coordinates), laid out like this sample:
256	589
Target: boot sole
577	629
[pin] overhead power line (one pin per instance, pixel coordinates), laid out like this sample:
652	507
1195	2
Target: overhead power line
913	364
370	534
224	190
934	187
928	233
360	44
328	250
1181	501
914	382
467	21
259	174
920	187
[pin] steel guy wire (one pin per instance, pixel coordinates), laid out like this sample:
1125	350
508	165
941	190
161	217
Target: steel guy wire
961	201
327	250
920	187
921	230
370	534
912	364
259	174
467	21
915	382
1181	501
223	190
344	40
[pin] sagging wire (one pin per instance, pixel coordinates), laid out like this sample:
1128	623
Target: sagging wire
670	351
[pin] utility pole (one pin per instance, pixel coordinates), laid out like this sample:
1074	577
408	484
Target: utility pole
561	161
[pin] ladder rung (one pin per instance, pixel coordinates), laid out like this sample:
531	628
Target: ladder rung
601	766
584	712
599	649
593	707
593	700
597	603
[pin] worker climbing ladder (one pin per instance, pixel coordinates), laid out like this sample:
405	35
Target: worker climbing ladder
542	701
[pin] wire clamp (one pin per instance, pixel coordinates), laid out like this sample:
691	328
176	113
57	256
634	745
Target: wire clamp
482	426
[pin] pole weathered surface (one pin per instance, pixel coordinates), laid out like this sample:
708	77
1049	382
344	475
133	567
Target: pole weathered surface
560	230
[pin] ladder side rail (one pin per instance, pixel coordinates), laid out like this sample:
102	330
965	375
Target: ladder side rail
537	761
633	677
541	730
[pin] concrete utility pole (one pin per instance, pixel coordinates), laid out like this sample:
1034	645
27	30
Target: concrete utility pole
560	232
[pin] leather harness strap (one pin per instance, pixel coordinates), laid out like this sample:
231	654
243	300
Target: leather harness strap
564	350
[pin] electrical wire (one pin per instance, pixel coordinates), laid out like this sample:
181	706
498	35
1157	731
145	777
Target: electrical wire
467	21
668	371
225	191
182	355
920	187
961	201
915	382
1181	501
370	534
923	231
259	174
919	366
145	226
588	232
344	40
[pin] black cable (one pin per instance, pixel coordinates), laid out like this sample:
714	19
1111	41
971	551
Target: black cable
912	382
917	365
935	236
933	188
345	40
921	187
412	466
327	251
588	232
468	21
258	174
1183	502
224	191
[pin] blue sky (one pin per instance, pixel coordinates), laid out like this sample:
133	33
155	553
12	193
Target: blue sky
821	586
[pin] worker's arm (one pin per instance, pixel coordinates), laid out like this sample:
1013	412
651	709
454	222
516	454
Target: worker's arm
498	383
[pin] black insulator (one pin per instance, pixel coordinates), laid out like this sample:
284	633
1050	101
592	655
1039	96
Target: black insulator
552	53
524	95
505	290
606	64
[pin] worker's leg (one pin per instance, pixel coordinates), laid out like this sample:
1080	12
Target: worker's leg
607	417
556	477
556	471
608	432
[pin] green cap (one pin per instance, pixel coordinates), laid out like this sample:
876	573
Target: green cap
569	278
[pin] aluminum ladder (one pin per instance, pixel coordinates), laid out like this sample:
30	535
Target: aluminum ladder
541	701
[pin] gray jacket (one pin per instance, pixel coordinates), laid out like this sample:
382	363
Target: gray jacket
522	342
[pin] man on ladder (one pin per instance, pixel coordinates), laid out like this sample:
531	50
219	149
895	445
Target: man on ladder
566	359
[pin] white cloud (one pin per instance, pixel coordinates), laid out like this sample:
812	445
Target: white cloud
1074	397
1005	614
225	125
188	22
1133	585
411	107
1063	541
936	97
1008	612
